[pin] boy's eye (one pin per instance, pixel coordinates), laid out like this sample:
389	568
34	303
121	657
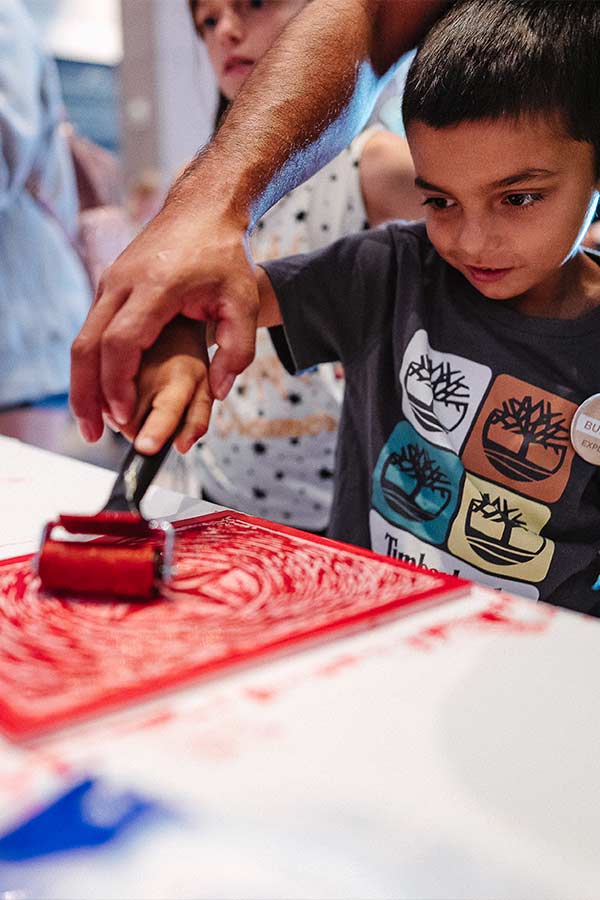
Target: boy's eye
522	199
439	202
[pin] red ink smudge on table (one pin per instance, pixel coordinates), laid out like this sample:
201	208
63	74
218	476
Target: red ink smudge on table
243	588
18	786
226	739
156	720
54	762
504	614
337	664
262	695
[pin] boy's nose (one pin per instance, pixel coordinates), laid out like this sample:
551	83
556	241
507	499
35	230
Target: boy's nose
476	239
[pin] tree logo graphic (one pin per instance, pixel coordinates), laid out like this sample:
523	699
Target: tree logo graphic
524	440
414	485
437	393
497	532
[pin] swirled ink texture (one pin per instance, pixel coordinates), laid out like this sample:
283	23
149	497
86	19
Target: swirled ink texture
242	588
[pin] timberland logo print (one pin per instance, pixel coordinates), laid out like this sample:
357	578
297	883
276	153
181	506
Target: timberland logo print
428	491
521	439
500	531
427	384
397	543
440	391
416	484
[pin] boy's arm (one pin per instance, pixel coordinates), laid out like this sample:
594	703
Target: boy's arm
269	313
173	380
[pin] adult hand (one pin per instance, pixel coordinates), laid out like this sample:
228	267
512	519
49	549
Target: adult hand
288	120
191	260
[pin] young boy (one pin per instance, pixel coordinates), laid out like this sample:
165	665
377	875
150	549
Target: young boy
469	341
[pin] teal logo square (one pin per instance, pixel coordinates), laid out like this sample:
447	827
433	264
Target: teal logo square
416	485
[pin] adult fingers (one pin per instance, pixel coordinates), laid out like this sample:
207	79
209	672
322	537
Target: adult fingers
235	334
85	392
133	329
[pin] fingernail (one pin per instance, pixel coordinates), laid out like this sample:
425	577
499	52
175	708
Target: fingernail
119	413
225	386
111	423
146	445
86	431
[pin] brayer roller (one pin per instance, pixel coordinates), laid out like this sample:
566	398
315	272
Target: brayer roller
105	566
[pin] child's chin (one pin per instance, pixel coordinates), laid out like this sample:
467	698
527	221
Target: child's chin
496	292
506	289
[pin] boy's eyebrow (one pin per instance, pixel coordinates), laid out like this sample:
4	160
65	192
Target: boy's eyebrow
428	186
517	178
524	175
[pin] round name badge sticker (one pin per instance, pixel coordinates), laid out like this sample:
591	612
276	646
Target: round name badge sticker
585	430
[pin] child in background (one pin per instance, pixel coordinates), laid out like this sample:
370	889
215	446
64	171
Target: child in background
271	445
469	341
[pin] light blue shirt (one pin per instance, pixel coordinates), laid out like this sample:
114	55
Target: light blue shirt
44	292
388	109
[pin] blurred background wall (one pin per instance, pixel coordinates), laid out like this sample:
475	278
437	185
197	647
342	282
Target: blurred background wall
135	79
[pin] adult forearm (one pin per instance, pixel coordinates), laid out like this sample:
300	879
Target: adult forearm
305	101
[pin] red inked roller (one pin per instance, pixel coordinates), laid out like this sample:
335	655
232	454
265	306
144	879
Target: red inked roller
105	566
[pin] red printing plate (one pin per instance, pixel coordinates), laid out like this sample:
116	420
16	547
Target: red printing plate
243	588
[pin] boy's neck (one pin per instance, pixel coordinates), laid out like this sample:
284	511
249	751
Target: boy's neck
572	291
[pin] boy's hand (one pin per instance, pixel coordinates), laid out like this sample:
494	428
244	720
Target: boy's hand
173	389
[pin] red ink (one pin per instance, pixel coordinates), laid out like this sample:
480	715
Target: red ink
243	588
262	695
337	664
505	614
157	720
55	764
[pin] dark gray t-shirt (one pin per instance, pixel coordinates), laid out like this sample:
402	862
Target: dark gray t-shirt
454	449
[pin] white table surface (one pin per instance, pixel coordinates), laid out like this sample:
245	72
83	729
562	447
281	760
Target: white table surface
449	754
36	485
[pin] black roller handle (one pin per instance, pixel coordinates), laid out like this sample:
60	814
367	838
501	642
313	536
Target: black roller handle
134	478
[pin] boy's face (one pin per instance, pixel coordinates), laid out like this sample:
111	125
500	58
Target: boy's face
506	201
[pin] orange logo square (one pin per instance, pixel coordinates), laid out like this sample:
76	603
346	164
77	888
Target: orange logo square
521	439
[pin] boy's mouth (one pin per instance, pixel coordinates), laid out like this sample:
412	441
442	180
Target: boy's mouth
487	275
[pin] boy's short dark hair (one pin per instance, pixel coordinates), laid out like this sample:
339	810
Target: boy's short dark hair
488	59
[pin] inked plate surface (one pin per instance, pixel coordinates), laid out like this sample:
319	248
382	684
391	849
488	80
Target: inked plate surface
244	588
